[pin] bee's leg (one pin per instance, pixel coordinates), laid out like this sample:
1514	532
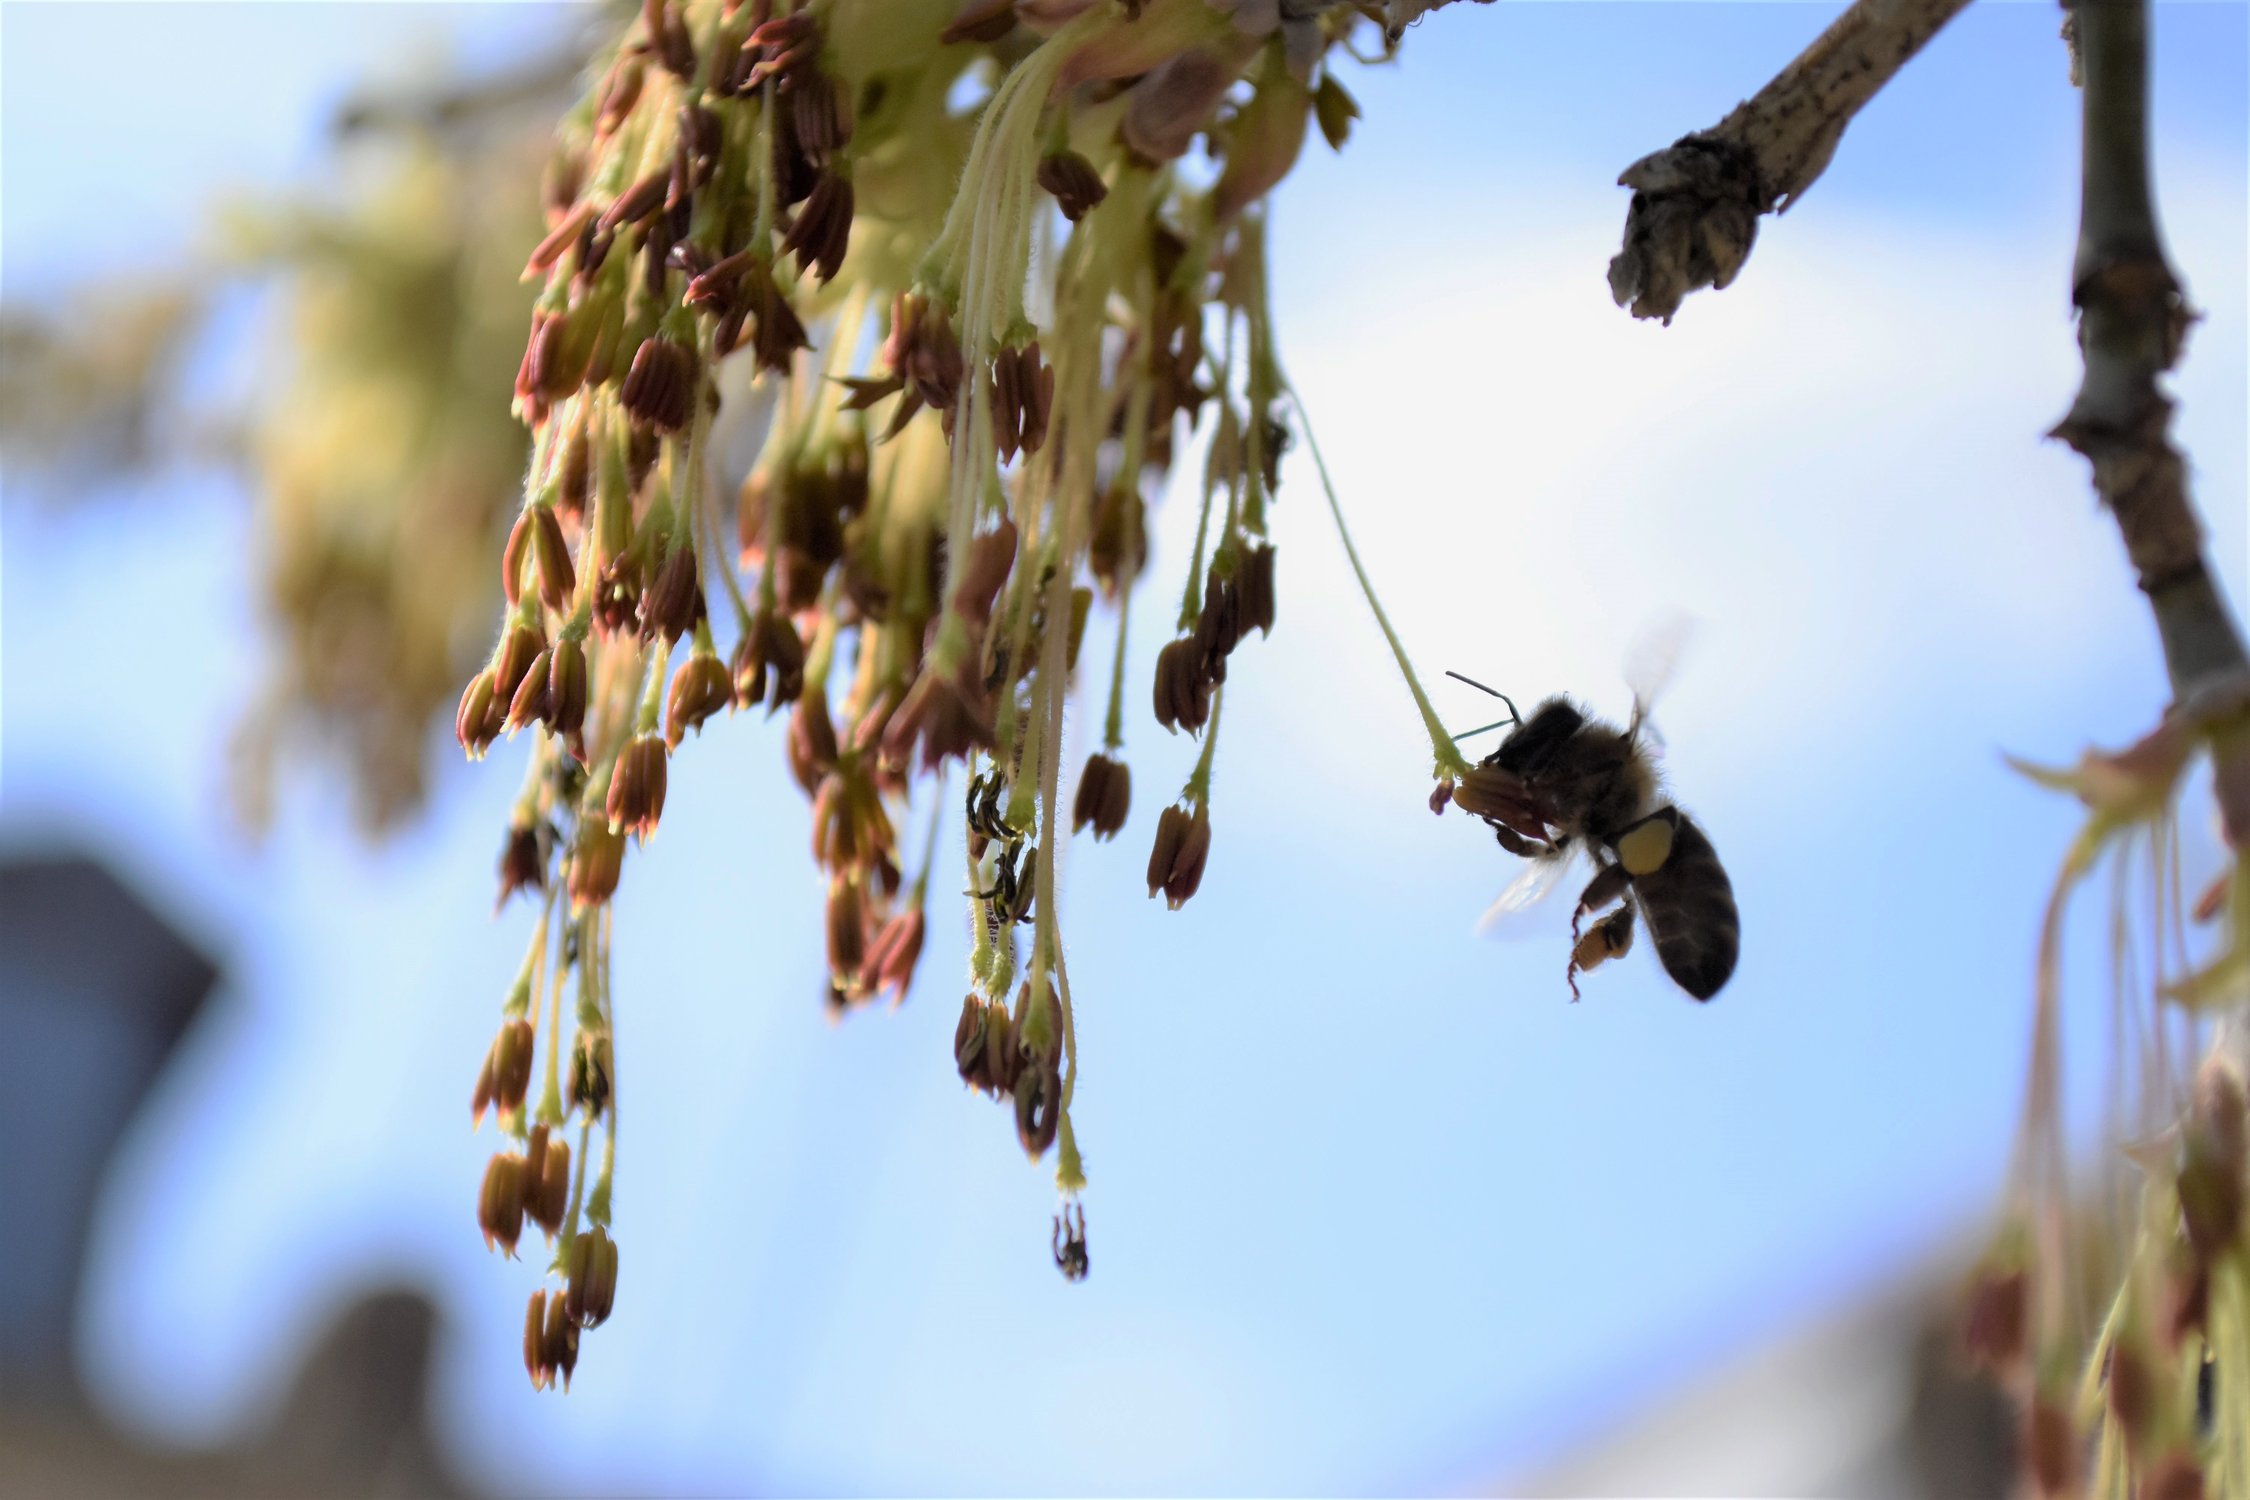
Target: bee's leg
1514	842
1609	884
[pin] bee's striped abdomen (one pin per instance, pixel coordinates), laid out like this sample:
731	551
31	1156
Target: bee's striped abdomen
1687	904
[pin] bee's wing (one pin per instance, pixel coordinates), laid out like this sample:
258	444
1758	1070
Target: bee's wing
1650	662
1523	910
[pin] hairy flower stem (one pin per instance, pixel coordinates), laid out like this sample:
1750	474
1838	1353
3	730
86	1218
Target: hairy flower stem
1446	760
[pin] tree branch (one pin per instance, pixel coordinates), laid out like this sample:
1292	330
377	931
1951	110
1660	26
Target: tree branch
1696	204
2131	325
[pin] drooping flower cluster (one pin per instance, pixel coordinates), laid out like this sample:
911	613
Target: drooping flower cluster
974	336
2120	1317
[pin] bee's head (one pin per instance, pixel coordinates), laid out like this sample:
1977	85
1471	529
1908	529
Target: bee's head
1531	742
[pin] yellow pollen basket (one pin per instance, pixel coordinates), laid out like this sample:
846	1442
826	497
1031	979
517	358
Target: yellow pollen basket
1644	847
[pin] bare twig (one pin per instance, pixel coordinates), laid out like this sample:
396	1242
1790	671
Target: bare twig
2132	323
1696	204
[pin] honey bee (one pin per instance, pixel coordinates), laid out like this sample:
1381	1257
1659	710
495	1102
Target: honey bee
1564	785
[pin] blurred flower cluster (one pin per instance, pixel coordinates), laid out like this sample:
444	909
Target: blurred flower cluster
966	277
2117	1307
381	469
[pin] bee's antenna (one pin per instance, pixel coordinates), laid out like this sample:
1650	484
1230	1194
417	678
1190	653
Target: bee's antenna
1513	716
1485	729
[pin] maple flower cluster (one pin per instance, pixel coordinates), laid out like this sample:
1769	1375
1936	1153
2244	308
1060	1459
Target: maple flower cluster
958	268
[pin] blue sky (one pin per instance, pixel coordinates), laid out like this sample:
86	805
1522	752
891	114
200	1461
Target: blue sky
1373	1207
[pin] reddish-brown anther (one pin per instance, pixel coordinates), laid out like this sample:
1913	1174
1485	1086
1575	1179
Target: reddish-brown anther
568	228
1254	584
1077	187
506	1074
519	648
512	557
1219	628
574	476
529	706
500	1201
810	745
700	688
1182	692
547	1199
1118	548
1186	874
636	788
2050	1447
923	349
990	558
1105	796
636	202
820	115
894	952
942	718
617	595
779	333
847	933
566	688
769	663
522	862
558	580
597	858
674	602
592	1277
822	231
475	723
661	387
980	21
1994	1322
2175	1476
623	92
971	1051
535	1361
780	48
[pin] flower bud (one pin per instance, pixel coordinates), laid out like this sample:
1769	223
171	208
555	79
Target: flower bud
700	688
1105	795
636	788
1334	110
2215	1152
968	1043
500	1203
592	1275
535	1362
1255	581
597	859
2175	1476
